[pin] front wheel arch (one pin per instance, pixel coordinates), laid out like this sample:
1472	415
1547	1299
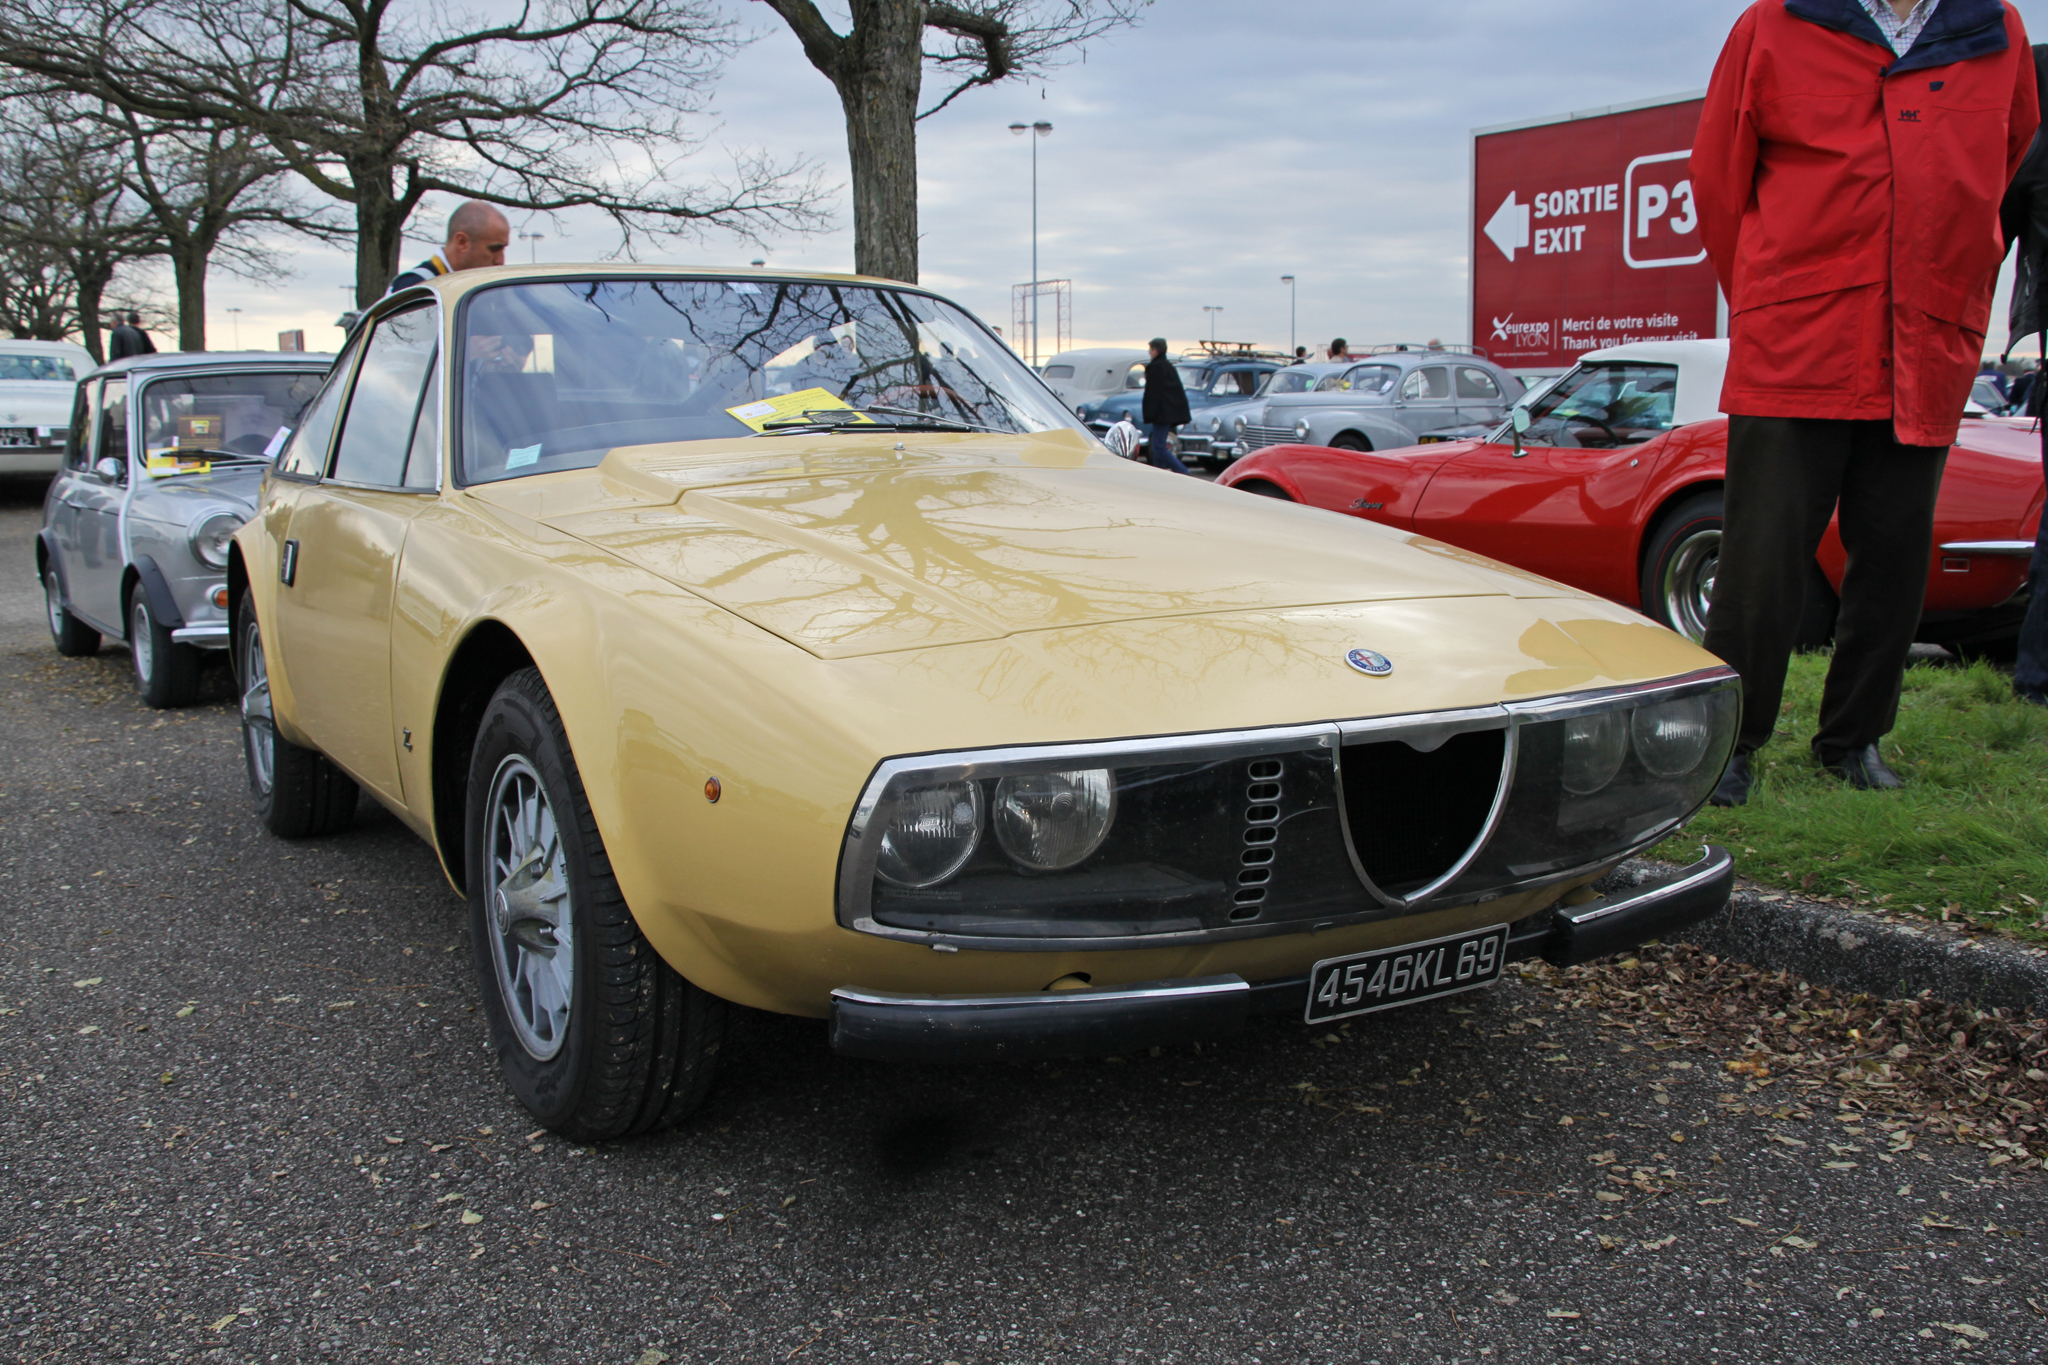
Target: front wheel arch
489	654
1351	440
1264	488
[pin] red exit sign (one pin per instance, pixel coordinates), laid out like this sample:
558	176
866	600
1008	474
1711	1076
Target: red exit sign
1585	234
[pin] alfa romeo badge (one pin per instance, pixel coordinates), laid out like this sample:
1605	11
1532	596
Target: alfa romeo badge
1370	662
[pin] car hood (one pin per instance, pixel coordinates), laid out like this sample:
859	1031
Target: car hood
182	498
853	545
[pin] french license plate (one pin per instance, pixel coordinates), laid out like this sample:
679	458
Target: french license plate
17	436
1339	987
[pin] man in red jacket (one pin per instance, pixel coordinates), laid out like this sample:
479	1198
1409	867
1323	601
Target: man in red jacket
1848	171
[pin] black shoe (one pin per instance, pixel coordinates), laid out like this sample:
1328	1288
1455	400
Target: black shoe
1865	771
1733	788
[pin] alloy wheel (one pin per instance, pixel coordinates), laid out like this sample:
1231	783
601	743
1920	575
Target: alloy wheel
141	639
259	728
53	601
532	923
1688	586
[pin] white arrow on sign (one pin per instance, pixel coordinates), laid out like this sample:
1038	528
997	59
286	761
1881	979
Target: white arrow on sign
1509	226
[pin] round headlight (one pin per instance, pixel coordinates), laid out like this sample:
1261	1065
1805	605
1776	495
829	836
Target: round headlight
1215	424
210	536
1594	747
1301	428
1051	821
931	834
1237	427
1673	736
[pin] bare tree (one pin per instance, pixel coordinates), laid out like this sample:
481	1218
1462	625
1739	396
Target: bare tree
878	67
564	104
67	225
213	191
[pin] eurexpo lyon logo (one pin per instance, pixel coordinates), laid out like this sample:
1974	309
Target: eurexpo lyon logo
1526	334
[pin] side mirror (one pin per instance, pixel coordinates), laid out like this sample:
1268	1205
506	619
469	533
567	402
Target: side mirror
108	469
1519	420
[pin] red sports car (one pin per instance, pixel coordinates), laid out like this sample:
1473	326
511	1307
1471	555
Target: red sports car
1615	488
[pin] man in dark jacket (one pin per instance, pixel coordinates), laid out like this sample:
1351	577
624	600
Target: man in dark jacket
128	339
1848	170
1166	407
477	236
2026	222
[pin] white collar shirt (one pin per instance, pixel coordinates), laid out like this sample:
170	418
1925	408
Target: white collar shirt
1901	33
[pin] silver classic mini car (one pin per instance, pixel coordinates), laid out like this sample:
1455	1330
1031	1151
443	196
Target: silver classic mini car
161	468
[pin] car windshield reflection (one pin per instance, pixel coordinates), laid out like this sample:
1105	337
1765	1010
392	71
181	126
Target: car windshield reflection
1602	406
557	374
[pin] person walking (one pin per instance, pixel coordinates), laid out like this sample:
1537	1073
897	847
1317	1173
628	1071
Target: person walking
1166	407
1340	350
128	339
1848	170
477	236
2026	223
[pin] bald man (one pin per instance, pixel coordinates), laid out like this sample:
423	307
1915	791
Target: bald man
477	236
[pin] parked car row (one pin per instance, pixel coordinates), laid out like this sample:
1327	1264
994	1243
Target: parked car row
721	671
1615	489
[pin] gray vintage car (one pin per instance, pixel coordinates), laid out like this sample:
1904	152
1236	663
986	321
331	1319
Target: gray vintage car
162	467
1216	435
1391	399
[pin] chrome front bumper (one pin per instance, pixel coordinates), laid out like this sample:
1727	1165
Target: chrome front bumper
1113	1019
213	636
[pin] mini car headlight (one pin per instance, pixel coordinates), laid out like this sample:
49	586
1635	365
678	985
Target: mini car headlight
1301	428
1051	821
931	835
210	537
1672	737
1594	747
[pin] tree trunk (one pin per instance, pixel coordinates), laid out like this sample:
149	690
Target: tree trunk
188	268
380	234
879	76
91	289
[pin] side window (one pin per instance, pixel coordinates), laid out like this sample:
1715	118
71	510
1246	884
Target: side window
1059	372
1236	383
1434	381
77	450
423	461
377	434
1477	384
1134	378
305	454
111	439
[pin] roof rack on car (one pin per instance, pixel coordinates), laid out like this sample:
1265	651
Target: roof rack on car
1393	346
1238	350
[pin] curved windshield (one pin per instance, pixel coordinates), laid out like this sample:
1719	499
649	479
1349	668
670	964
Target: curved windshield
556	374
1601	406
221	416
1364	379
1291	381
50	367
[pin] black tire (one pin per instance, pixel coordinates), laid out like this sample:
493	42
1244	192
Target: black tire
72	636
634	1046
1349	440
166	673
1263	489
1680	560
299	793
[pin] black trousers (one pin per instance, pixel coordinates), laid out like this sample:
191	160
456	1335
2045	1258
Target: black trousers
1786	477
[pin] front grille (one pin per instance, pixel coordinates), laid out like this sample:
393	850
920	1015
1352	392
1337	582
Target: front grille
1194	445
1413	815
1262	793
1258	438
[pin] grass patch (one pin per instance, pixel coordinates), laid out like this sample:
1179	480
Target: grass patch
1966	840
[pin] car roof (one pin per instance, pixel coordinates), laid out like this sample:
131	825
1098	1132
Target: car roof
164	361
1701	362
14	347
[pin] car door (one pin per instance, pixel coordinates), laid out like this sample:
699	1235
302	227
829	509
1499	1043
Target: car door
1425	403
344	539
60	503
1480	401
94	572
1561	507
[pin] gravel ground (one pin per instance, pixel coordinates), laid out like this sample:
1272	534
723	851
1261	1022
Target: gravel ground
248	1117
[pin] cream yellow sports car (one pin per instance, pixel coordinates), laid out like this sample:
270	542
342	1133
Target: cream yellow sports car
749	638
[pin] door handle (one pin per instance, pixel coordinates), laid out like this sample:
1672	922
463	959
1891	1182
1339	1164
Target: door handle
288	563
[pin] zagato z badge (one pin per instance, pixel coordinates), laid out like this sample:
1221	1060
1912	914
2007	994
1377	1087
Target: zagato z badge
1370	662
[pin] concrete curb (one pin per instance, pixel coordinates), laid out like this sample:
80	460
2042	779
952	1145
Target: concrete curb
1863	950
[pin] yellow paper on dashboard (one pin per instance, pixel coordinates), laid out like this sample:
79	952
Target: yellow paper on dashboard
790	407
160	464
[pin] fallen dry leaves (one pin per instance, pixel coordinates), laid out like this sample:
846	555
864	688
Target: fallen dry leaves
1979	1077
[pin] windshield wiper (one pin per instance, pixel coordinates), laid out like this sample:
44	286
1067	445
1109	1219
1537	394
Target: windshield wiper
834	419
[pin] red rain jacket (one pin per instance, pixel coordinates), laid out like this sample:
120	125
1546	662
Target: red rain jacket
1849	199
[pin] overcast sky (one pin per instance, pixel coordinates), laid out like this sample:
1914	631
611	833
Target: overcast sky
1194	160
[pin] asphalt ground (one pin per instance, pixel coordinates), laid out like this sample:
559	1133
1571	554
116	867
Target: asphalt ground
248	1116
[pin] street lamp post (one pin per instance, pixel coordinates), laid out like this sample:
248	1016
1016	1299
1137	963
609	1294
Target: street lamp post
1212	310
1043	129
532	251
235	316
1288	280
